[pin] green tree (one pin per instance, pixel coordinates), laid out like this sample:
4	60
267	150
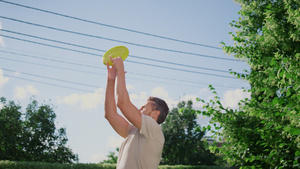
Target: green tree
112	158
183	144
11	129
33	136
265	131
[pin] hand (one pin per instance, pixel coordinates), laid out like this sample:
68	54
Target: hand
111	72
118	64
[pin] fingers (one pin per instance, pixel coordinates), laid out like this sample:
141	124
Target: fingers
114	60
107	65
111	58
117	64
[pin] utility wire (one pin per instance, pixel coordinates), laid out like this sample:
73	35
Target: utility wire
52	40
53	60
82	84
84	71
56	67
52	84
111	26
183	70
99	37
44	77
88	53
182	80
85	47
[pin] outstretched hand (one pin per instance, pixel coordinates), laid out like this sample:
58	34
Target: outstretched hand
118	67
111	72
118	64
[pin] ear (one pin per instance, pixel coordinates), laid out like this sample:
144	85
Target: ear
155	114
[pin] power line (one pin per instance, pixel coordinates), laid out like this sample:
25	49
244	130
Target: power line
183	80
53	60
52	84
99	37
57	67
85	47
38	37
88	53
66	81
44	77
84	71
183	70
111	26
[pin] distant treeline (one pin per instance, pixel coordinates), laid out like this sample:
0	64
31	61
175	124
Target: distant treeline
43	165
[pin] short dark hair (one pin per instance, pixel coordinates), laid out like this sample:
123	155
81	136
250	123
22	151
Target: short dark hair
160	105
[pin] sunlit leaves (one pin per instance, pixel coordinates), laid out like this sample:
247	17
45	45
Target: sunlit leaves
264	132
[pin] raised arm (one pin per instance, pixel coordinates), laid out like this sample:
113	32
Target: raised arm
131	113
119	124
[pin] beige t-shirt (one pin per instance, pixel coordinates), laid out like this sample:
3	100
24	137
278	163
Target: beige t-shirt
142	149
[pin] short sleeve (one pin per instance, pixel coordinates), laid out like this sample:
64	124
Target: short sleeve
130	128
150	128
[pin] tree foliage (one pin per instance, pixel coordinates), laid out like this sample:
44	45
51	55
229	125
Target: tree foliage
265	131
183	138
32	136
112	158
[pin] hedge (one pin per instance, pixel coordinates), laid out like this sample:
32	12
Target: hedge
191	166
43	165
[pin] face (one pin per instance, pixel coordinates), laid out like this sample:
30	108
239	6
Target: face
147	108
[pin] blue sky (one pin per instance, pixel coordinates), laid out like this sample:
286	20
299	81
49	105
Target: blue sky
74	82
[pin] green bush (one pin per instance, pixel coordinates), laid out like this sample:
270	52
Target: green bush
43	165
190	166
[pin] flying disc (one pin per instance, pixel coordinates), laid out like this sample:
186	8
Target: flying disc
118	51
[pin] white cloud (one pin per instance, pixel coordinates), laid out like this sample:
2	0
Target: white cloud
86	101
20	92
171	103
189	97
196	105
96	158
203	93
71	99
31	89
203	90
232	97
23	92
163	94
1	38
114	142
159	92
139	99
3	79
92	100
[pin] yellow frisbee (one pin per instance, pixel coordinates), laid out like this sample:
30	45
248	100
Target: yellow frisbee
118	51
